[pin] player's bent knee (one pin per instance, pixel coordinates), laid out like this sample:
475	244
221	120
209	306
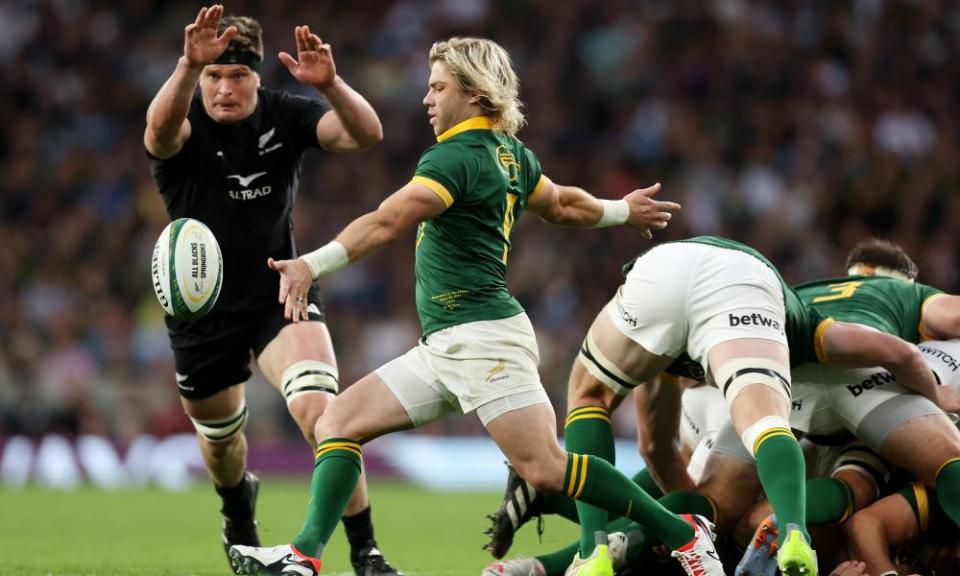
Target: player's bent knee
308	377
604	370
541	477
545	472
735	375
307	409
330	425
222	430
864	471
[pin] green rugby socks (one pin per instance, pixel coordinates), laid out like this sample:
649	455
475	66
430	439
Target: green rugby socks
588	431
829	501
335	475
948	489
782	472
596	481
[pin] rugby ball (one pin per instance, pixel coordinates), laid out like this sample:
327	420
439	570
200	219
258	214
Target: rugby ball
187	269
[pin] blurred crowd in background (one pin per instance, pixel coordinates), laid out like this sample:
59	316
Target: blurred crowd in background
796	126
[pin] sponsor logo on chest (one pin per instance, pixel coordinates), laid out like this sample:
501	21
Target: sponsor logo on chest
243	187
246	191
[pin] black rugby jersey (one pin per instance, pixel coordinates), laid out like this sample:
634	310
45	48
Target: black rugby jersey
241	180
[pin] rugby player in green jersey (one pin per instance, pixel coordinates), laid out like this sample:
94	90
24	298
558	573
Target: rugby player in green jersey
478	351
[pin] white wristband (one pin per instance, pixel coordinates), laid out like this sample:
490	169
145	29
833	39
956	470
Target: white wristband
615	213
327	259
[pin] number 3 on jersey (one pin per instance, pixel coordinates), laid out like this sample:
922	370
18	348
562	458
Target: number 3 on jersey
840	291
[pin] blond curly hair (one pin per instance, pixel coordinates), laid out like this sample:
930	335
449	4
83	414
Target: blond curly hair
483	69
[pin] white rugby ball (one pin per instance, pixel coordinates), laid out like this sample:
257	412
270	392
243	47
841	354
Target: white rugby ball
187	269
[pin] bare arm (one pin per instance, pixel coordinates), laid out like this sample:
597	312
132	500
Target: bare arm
941	317
401	211
575	207
658	424
858	346
167	125
353	124
872	531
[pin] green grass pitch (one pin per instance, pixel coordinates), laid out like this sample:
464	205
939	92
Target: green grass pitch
91	532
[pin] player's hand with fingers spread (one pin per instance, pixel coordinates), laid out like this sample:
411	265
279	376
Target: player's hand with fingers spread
647	214
314	64
295	281
201	45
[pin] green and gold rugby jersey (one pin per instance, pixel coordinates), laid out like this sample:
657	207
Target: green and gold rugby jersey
888	304
485	178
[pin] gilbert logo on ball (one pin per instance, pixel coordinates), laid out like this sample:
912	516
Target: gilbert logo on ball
187	269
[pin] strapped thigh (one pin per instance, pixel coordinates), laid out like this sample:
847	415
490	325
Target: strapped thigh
603	369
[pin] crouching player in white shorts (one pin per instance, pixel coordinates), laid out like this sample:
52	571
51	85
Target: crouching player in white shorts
726	307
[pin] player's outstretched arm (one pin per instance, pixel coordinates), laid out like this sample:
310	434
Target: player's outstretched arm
575	207
353	124
658	424
167	124
402	210
857	346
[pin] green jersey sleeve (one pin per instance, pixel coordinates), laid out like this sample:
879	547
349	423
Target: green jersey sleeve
535	180
443	168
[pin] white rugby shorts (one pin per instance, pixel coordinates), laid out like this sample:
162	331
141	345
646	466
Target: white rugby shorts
691	297
864	401
489	366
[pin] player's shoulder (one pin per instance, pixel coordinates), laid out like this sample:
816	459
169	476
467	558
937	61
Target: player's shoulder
449	150
288	104
895	287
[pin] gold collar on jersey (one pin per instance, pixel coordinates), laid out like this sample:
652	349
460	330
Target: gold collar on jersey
475	123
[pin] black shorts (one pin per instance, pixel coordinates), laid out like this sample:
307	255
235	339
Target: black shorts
213	352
